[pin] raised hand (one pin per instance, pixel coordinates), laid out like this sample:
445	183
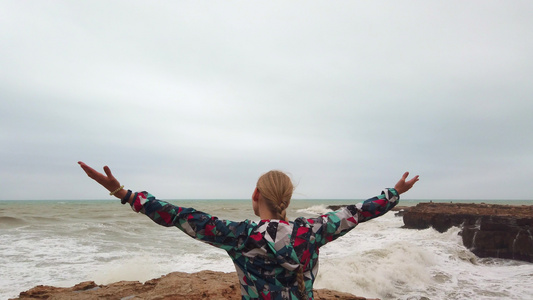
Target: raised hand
108	181
403	186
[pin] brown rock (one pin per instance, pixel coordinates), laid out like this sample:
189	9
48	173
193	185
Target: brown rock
335	207
177	285
400	210
488	230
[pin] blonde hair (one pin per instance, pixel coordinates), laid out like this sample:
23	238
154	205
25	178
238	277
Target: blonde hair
276	188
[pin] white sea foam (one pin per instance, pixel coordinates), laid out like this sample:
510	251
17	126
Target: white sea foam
135	268
314	210
376	262
389	262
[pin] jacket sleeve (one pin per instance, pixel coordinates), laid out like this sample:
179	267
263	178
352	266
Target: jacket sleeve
199	225
330	226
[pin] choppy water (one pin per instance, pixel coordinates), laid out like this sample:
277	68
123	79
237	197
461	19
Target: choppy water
62	243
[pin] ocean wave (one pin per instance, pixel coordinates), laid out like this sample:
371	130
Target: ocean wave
315	210
47	219
11	222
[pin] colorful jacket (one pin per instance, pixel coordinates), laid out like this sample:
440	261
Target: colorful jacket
267	254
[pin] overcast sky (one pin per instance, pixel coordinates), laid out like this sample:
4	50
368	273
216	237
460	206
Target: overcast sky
196	99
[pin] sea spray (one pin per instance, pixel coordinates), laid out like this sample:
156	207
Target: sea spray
132	268
367	261
314	210
377	273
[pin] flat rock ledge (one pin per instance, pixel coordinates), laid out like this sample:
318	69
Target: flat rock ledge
488	230
176	285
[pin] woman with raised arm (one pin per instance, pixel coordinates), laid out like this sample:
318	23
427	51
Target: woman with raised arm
275	258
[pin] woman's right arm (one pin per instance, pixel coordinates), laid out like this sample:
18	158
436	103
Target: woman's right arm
199	225
108	181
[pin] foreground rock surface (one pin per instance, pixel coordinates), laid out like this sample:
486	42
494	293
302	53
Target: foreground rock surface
488	230
177	285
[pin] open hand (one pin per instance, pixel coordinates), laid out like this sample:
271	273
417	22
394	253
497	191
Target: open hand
108	181
403	186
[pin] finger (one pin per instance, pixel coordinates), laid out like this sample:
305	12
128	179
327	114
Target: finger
414	179
83	165
88	170
404	177
110	176
107	171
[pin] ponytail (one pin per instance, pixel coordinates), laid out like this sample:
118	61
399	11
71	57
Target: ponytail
301	283
276	188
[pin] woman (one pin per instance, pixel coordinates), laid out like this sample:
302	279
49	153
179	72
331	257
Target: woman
275	258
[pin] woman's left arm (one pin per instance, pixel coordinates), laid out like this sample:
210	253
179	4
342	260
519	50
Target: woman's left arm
332	225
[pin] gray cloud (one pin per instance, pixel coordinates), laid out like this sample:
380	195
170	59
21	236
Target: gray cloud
191	100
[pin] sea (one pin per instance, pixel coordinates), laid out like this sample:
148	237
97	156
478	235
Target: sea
62	243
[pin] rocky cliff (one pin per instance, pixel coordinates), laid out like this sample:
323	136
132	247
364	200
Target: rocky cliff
488	230
196	286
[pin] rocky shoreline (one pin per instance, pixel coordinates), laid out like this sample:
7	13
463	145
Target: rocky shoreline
488	230
176	285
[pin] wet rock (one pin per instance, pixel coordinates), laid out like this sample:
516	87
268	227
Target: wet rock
488	230
335	207
400	210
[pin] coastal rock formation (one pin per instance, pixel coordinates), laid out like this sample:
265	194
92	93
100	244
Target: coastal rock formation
398	209
488	230
177	285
